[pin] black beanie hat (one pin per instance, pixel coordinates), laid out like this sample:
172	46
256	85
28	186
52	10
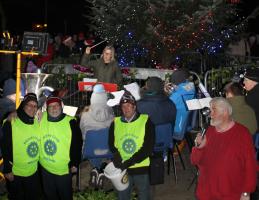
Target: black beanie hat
179	76
252	74
155	84
20	111
127	97
29	97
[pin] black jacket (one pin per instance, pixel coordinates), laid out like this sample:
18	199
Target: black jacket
252	100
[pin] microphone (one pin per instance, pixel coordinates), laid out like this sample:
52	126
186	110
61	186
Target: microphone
203	131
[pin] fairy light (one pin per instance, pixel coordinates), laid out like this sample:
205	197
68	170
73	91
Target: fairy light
193	32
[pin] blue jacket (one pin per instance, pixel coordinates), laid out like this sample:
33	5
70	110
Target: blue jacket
183	92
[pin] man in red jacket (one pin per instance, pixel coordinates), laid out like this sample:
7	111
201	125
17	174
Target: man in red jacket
225	157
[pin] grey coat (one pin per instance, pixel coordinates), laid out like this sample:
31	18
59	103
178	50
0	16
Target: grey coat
243	113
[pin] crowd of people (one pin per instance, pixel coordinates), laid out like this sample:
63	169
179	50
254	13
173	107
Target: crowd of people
43	152
61	48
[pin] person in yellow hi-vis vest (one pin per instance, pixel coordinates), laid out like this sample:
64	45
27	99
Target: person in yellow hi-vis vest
20	147
131	140
60	150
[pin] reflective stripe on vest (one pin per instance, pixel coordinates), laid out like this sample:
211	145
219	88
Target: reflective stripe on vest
129	138
55	145
26	143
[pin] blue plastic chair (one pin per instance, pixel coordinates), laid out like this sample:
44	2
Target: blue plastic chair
95	148
163	140
96	144
164	144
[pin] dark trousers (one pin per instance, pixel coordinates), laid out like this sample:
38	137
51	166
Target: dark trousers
255	194
24	188
141	182
57	187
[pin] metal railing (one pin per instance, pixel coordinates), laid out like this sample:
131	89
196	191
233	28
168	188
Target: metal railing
216	79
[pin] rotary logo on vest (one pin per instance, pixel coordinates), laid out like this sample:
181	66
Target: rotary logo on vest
32	149
129	146
50	147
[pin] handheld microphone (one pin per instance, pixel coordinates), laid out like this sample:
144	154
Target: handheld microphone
203	131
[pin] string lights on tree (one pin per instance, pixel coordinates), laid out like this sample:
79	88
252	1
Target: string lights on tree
161	30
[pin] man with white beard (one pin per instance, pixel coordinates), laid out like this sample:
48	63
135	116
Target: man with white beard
225	157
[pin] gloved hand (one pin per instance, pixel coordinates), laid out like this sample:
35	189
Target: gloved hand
117	160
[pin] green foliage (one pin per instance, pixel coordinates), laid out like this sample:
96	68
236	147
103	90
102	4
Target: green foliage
86	195
4	197
218	78
60	79
94	195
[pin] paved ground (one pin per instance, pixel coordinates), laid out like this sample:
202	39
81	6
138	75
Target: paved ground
167	191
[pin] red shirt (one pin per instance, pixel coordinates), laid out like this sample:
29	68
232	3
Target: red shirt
227	164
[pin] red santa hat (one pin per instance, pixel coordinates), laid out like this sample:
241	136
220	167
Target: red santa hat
53	99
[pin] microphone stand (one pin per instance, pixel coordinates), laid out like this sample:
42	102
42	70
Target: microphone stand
203	132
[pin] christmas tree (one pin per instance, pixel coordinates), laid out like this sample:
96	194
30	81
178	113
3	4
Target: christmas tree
160	30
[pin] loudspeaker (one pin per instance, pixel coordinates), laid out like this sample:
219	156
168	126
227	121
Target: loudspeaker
35	41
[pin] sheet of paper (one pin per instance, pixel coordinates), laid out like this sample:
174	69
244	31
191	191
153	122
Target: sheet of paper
88	87
117	97
205	102
92	80
134	89
70	110
195	104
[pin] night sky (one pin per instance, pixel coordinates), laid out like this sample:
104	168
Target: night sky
59	15
67	16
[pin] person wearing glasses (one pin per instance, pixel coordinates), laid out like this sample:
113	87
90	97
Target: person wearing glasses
20	148
60	150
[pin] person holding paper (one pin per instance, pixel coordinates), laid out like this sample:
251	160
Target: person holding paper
60	150
180	90
106	68
225	157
